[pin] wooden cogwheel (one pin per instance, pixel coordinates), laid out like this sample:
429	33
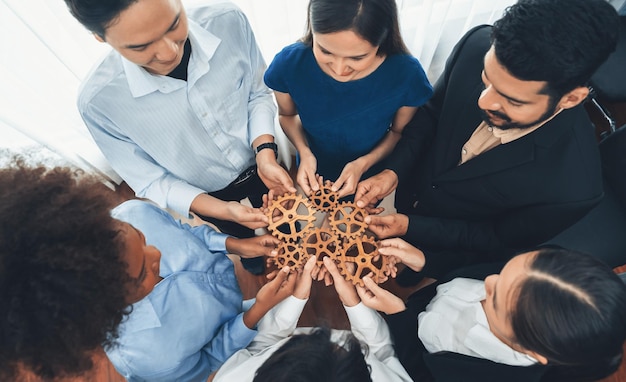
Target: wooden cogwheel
290	217
325	199
322	243
348	220
290	254
363	253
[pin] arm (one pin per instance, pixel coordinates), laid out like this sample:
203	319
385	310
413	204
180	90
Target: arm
261	114
352	172
146	177
292	126
281	321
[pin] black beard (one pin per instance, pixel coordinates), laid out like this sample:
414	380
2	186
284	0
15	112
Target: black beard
508	124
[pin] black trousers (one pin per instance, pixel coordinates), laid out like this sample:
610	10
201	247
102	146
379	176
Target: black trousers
252	188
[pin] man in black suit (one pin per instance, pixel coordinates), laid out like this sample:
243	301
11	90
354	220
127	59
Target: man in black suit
503	157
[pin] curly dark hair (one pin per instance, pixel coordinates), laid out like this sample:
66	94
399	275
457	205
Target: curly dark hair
63	279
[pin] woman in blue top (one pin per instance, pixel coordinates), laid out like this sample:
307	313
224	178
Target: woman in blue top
346	90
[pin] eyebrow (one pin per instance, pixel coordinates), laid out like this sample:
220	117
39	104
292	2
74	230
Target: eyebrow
171	27
353	57
504	95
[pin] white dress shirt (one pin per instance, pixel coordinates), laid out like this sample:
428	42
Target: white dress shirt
170	139
279	324
455	321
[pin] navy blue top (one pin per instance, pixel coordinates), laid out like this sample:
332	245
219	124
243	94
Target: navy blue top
345	120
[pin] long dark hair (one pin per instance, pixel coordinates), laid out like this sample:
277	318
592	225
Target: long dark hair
571	309
376	21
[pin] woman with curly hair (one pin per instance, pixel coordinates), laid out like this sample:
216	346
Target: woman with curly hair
76	275
63	272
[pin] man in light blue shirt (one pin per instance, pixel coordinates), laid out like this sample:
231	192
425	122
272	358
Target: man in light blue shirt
188	317
180	110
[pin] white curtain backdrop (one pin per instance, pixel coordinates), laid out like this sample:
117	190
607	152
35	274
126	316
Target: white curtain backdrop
46	54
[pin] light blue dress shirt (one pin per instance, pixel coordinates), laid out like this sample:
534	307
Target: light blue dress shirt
170	139
193	319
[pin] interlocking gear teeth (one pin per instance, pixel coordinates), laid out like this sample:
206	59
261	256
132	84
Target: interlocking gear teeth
290	217
348	220
362	252
321	242
325	199
290	254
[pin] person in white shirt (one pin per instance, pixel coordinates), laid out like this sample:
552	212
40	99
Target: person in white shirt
180	110
551	314
282	352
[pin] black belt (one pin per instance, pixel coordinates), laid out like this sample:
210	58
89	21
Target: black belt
243	177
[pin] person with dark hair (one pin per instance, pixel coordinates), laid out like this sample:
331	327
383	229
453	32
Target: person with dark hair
346	90
160	297
283	353
551	314
503	157
63	278
180	111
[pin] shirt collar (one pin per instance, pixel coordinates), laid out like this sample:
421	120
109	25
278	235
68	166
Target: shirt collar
204	44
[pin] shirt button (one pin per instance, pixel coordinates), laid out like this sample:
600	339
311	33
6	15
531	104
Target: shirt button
490	128
435	186
464	151
415	203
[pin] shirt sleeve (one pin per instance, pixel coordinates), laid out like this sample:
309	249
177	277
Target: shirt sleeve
261	107
231	337
146	177
277	324
275	74
214	240
369	327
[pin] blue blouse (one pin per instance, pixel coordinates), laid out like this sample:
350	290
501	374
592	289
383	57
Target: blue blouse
192	321
345	120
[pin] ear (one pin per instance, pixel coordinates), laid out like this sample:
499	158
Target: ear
542	360
98	37
574	97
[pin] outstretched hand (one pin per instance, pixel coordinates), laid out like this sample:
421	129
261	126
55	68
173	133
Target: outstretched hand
374	189
348	179
305	280
392	225
252	247
378	298
306	175
402	252
346	291
270	295
250	217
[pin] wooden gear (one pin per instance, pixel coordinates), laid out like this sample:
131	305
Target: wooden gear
292	221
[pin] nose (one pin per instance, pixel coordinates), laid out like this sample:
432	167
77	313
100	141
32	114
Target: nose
489	284
167	50
155	257
340	67
489	99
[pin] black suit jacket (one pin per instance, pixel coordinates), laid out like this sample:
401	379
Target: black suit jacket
511	197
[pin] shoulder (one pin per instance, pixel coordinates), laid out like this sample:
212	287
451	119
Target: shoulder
105	72
293	52
135	211
221	13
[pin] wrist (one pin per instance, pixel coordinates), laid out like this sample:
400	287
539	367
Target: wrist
265	149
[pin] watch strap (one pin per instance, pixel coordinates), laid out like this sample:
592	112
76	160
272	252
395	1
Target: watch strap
267	145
